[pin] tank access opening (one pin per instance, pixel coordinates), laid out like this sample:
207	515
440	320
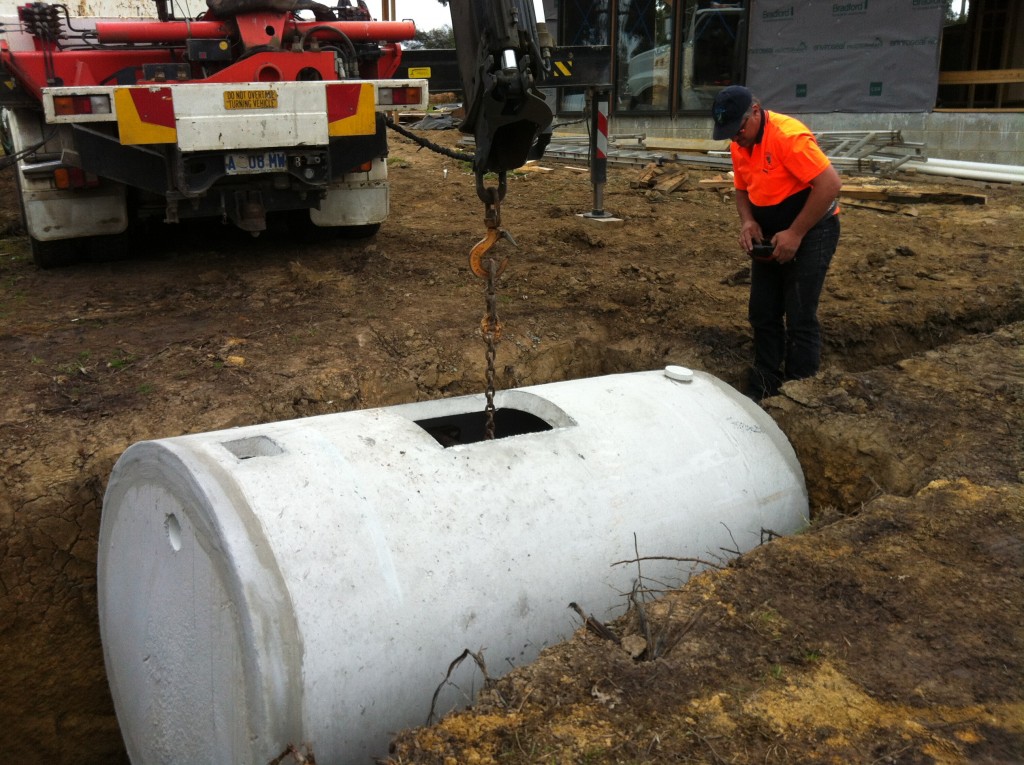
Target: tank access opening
468	427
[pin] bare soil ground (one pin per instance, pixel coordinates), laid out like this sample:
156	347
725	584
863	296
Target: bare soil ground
892	631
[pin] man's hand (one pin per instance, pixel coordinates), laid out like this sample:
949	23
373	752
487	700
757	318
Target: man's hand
786	244
750	232
824	189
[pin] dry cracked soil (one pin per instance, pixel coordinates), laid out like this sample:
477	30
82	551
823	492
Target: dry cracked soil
890	631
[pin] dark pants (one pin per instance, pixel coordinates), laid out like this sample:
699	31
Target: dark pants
783	311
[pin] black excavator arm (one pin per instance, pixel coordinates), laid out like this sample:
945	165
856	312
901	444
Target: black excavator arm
502	57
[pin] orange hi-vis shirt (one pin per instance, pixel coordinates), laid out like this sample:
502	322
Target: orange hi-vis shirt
783	163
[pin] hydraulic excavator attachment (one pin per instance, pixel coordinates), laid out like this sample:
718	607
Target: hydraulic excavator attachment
502	57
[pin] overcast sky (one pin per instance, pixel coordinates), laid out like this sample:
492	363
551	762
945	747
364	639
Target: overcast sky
428	14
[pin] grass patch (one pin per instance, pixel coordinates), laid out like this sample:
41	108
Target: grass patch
120	361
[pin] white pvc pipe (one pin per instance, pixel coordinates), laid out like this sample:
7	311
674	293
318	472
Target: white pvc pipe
311	580
968	165
951	171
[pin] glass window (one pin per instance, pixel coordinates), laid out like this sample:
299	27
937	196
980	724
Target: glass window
713	51
582	22
643	52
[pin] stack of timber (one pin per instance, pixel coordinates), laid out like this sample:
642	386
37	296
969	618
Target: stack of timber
661	177
897	198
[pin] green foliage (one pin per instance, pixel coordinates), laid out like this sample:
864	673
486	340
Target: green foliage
957	11
442	37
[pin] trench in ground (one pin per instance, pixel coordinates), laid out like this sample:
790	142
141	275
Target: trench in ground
71	614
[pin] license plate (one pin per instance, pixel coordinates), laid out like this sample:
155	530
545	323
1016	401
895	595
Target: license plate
255	162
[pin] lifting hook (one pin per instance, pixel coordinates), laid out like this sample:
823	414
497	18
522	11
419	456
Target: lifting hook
491	198
481	248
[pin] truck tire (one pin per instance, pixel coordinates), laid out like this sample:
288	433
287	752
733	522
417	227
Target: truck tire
356	232
57	253
60	252
51	254
6	142
303	229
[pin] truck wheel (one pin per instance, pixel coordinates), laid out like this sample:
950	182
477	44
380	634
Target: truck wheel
60	252
6	142
68	252
108	248
300	227
52	254
356	232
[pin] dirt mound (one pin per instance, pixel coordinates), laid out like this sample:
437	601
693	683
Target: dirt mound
892	635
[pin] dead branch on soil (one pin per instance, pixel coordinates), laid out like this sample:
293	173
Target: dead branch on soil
736	548
699	561
644	646
641	614
595	626
668	636
478	657
305	757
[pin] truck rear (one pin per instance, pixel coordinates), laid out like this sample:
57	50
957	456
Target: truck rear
255	107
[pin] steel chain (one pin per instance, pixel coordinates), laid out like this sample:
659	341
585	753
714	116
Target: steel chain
492	332
485	264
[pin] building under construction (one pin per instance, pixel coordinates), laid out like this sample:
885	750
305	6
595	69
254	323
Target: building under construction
946	75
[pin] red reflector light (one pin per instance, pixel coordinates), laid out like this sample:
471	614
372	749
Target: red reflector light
65	105
399	96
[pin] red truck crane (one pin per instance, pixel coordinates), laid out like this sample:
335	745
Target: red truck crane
256	106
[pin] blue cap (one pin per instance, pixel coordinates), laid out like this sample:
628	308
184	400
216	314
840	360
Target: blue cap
730	105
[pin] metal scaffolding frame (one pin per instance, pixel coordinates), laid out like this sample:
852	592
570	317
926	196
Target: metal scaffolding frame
868	151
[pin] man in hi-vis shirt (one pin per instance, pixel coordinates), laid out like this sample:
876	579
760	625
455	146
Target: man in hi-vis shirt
786	191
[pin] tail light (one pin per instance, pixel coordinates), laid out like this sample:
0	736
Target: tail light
70	105
403	96
74	178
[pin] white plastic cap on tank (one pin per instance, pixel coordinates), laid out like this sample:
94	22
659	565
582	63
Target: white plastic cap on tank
680	374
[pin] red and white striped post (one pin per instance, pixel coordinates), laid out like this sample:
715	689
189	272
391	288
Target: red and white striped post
599	106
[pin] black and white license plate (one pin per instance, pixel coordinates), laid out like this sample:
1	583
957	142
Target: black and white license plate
245	163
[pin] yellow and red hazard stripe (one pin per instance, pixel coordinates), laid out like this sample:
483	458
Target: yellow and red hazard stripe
145	115
351	109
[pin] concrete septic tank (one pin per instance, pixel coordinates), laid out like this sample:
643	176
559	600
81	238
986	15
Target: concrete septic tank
311	580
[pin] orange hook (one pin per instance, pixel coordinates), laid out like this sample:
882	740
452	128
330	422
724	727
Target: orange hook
482	247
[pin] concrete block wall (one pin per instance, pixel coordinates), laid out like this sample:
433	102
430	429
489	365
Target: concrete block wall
996	137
